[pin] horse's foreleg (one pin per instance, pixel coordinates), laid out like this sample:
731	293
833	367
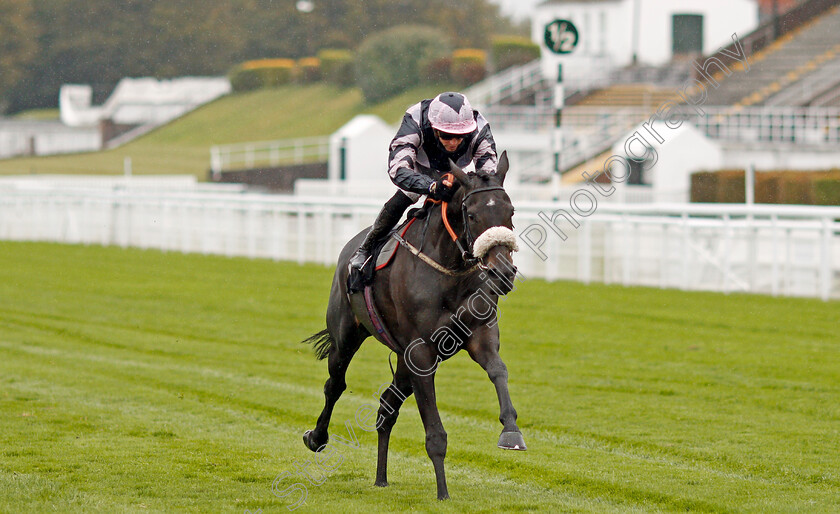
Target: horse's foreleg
486	353
389	408
424	392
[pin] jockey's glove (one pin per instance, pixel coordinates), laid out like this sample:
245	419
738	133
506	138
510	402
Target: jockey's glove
439	191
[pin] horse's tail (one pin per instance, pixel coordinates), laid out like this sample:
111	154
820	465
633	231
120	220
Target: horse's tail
322	342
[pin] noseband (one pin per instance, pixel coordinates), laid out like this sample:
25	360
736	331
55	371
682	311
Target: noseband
466	253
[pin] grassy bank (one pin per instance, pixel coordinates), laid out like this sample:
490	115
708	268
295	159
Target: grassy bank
183	146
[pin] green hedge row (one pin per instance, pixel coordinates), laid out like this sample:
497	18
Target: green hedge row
388	63
774	187
510	51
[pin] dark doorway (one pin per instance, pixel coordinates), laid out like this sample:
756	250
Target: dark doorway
687	34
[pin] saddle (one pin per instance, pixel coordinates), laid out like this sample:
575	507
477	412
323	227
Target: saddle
361	304
382	253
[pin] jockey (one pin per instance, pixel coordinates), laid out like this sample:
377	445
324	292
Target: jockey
432	132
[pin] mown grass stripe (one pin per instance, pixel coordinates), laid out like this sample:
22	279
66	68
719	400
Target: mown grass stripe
630	399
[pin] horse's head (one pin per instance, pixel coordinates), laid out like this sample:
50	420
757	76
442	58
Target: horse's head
486	214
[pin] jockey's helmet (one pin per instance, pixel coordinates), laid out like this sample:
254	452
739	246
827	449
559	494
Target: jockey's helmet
452	113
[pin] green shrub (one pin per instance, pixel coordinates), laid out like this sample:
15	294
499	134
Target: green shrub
261	73
308	70
776	187
243	80
469	65
437	70
825	189
510	51
389	62
337	66
795	188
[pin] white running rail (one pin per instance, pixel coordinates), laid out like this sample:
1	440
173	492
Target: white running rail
268	153
776	250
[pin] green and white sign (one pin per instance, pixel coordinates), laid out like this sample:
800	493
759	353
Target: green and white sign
561	36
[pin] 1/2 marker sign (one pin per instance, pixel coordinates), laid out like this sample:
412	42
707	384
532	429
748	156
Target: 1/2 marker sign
561	36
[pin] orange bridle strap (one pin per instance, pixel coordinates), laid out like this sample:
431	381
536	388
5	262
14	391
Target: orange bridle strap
452	234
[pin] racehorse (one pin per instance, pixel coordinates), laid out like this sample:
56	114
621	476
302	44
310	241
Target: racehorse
433	301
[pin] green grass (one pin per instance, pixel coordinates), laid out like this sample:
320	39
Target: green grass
183	146
38	114
139	380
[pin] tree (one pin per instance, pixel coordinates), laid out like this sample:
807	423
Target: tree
47	43
390	61
18	43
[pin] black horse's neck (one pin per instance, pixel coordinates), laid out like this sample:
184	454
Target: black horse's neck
438	243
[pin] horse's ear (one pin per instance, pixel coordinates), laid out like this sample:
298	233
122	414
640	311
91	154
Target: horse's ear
459	174
502	167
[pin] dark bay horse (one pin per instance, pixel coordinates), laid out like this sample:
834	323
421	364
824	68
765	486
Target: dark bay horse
432	307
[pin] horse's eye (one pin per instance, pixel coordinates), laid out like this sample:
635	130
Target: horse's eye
471	216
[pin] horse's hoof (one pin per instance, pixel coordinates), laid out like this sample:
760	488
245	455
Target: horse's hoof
307	440
444	496
512	441
381	483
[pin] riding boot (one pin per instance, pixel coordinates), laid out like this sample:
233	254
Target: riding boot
385	221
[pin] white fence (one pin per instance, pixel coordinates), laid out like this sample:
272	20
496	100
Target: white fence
269	153
778	250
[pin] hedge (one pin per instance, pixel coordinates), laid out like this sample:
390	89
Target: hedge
826	189
437	70
773	187
390	62
337	66
308	70
510	51
469	65
261	73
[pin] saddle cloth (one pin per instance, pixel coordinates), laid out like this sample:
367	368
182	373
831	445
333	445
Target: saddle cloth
386	254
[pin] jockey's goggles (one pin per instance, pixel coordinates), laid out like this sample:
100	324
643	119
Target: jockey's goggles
446	136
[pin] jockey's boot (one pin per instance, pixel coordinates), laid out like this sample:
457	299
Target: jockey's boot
385	221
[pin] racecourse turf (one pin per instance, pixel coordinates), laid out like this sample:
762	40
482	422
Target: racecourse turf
138	380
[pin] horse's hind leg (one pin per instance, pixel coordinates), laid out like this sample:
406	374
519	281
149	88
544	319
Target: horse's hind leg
347	337
389	408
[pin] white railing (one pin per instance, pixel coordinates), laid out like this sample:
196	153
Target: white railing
268	153
589	131
795	125
778	250
506	84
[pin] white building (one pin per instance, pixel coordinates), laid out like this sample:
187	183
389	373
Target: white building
615	33
663	158
138	101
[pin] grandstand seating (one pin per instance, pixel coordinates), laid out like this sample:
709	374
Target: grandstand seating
797	69
629	95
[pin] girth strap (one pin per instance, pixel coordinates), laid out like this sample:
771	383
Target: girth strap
376	321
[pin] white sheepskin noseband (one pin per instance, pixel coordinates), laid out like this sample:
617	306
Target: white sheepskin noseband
494	236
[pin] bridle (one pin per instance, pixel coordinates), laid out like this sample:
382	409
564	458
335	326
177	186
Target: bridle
466	253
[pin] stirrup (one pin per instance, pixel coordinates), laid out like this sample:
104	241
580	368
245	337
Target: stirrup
360	266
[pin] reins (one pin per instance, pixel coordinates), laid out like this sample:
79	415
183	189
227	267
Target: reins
466	254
